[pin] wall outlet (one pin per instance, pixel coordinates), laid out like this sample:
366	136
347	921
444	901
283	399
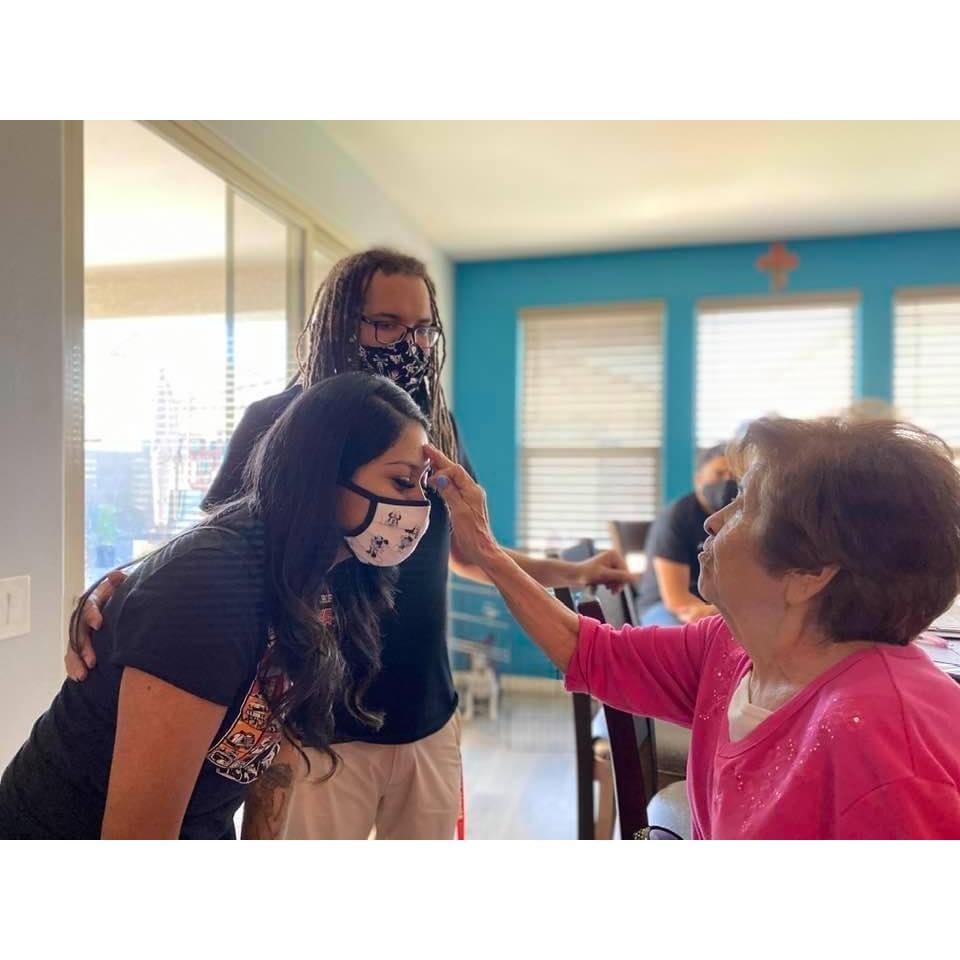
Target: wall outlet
14	607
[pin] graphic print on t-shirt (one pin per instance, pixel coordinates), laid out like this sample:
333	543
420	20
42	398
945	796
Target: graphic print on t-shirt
253	739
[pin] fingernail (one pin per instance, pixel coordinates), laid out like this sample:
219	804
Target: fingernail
441	482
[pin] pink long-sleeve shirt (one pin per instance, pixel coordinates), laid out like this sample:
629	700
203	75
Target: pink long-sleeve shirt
870	749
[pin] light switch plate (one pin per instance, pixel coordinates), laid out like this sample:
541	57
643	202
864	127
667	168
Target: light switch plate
14	607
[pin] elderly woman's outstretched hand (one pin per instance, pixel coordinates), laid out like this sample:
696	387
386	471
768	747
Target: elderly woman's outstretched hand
467	505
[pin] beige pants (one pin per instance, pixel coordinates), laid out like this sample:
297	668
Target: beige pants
408	791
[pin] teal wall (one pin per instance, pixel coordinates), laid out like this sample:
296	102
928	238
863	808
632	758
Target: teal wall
490	295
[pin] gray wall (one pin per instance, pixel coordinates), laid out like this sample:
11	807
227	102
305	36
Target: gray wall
31	414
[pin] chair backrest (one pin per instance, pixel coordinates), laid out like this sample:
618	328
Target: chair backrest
583	744
583	709
617	607
581	550
629	536
633	748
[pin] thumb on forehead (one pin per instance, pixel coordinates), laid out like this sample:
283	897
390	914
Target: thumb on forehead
437	457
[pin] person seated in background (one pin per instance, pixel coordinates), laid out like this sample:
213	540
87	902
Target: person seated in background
813	713
668	592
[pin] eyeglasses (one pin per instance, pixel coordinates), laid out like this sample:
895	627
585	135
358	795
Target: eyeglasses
389	332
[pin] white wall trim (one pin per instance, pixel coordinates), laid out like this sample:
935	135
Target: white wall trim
73	320
773	301
213	152
626	307
911	295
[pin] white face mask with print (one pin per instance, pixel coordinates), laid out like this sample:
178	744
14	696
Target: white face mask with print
391	530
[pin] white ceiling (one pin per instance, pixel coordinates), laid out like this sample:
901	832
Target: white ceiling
503	188
146	202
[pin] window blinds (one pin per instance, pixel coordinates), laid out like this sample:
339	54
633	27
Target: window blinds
590	423
795	360
926	364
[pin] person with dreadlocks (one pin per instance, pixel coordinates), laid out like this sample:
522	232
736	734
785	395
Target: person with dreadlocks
377	311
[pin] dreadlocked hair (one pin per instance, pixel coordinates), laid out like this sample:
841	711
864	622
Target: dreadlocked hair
332	340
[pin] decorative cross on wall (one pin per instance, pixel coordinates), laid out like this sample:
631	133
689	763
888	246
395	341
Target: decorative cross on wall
778	261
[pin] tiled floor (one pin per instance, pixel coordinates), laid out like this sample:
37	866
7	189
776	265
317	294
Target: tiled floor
519	771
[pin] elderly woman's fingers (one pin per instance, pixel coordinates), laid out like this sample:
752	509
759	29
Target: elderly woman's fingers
442	465
464	513
447	490
437	457
445	467
466	505
453	476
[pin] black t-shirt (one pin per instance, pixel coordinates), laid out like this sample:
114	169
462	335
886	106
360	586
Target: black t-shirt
414	688
677	534
193	614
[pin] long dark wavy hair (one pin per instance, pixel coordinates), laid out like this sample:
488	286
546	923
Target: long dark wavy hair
290	484
332	332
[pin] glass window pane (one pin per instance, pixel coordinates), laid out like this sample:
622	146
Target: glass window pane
791	361
168	371
926	389
590	424
260	303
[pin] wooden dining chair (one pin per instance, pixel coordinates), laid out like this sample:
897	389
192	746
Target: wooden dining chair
629	536
673	742
594	818
633	747
583	746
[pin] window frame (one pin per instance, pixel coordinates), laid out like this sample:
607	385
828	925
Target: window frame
240	176
845	297
656	307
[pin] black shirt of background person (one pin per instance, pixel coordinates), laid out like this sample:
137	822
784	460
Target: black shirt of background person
414	688
193	615
677	534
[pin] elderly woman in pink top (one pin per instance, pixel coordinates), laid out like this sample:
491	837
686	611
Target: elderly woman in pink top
813	714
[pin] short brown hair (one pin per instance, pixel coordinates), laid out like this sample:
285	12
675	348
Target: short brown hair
880	499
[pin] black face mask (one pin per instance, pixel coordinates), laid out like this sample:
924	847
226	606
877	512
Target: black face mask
718	495
405	363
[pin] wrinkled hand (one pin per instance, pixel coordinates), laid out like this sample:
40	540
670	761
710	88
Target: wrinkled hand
608	568
80	661
467	506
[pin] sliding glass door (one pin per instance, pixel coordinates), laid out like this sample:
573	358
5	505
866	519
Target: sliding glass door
189	289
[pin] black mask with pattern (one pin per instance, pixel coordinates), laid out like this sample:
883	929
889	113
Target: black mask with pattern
404	363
